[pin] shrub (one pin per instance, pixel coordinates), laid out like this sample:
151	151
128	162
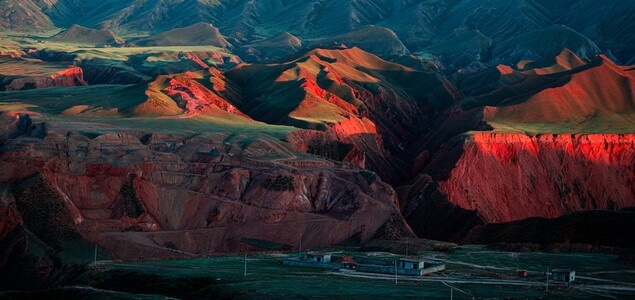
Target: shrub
131	204
279	183
44	213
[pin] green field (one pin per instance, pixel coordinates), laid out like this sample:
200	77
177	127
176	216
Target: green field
267	278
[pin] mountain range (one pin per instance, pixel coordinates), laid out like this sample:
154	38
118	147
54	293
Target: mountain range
172	129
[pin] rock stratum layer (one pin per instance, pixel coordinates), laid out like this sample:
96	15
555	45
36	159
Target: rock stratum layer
508	177
168	196
505	177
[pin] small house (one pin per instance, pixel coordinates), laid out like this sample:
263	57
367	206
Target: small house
562	275
523	274
318	257
411	264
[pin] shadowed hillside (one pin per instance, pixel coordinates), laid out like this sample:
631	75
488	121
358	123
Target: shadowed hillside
194	35
81	35
409	25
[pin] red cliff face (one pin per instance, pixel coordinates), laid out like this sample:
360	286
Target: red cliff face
168	196
194	98
508	177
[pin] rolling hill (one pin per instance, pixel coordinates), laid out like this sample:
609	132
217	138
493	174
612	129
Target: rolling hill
194	35
277	47
81	35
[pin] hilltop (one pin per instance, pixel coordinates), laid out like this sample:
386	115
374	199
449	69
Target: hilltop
82	35
194	35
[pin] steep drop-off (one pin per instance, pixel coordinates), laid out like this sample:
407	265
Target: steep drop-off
73	76
503	177
170	196
507	177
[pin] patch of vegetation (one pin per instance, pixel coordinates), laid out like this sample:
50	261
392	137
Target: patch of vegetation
44	213
331	149
170	245
349	198
29	86
131	204
279	183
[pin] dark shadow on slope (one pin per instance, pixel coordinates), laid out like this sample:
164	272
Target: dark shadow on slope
431	215
594	228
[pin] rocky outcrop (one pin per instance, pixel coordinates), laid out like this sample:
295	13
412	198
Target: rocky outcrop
10	217
73	76
194	98
504	177
507	177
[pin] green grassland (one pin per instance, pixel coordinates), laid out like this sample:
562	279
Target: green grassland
187	126
108	108
267	278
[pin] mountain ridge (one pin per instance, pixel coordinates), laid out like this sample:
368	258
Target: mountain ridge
436	21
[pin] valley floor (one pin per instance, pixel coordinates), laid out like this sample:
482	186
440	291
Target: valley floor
472	272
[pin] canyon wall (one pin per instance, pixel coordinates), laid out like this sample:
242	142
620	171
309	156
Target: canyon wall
504	177
73	76
160	195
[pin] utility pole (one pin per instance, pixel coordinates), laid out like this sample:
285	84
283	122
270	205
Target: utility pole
95	257
395	272
245	265
452	288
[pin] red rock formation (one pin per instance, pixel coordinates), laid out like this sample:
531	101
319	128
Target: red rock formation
73	76
194	98
196	195
508	177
